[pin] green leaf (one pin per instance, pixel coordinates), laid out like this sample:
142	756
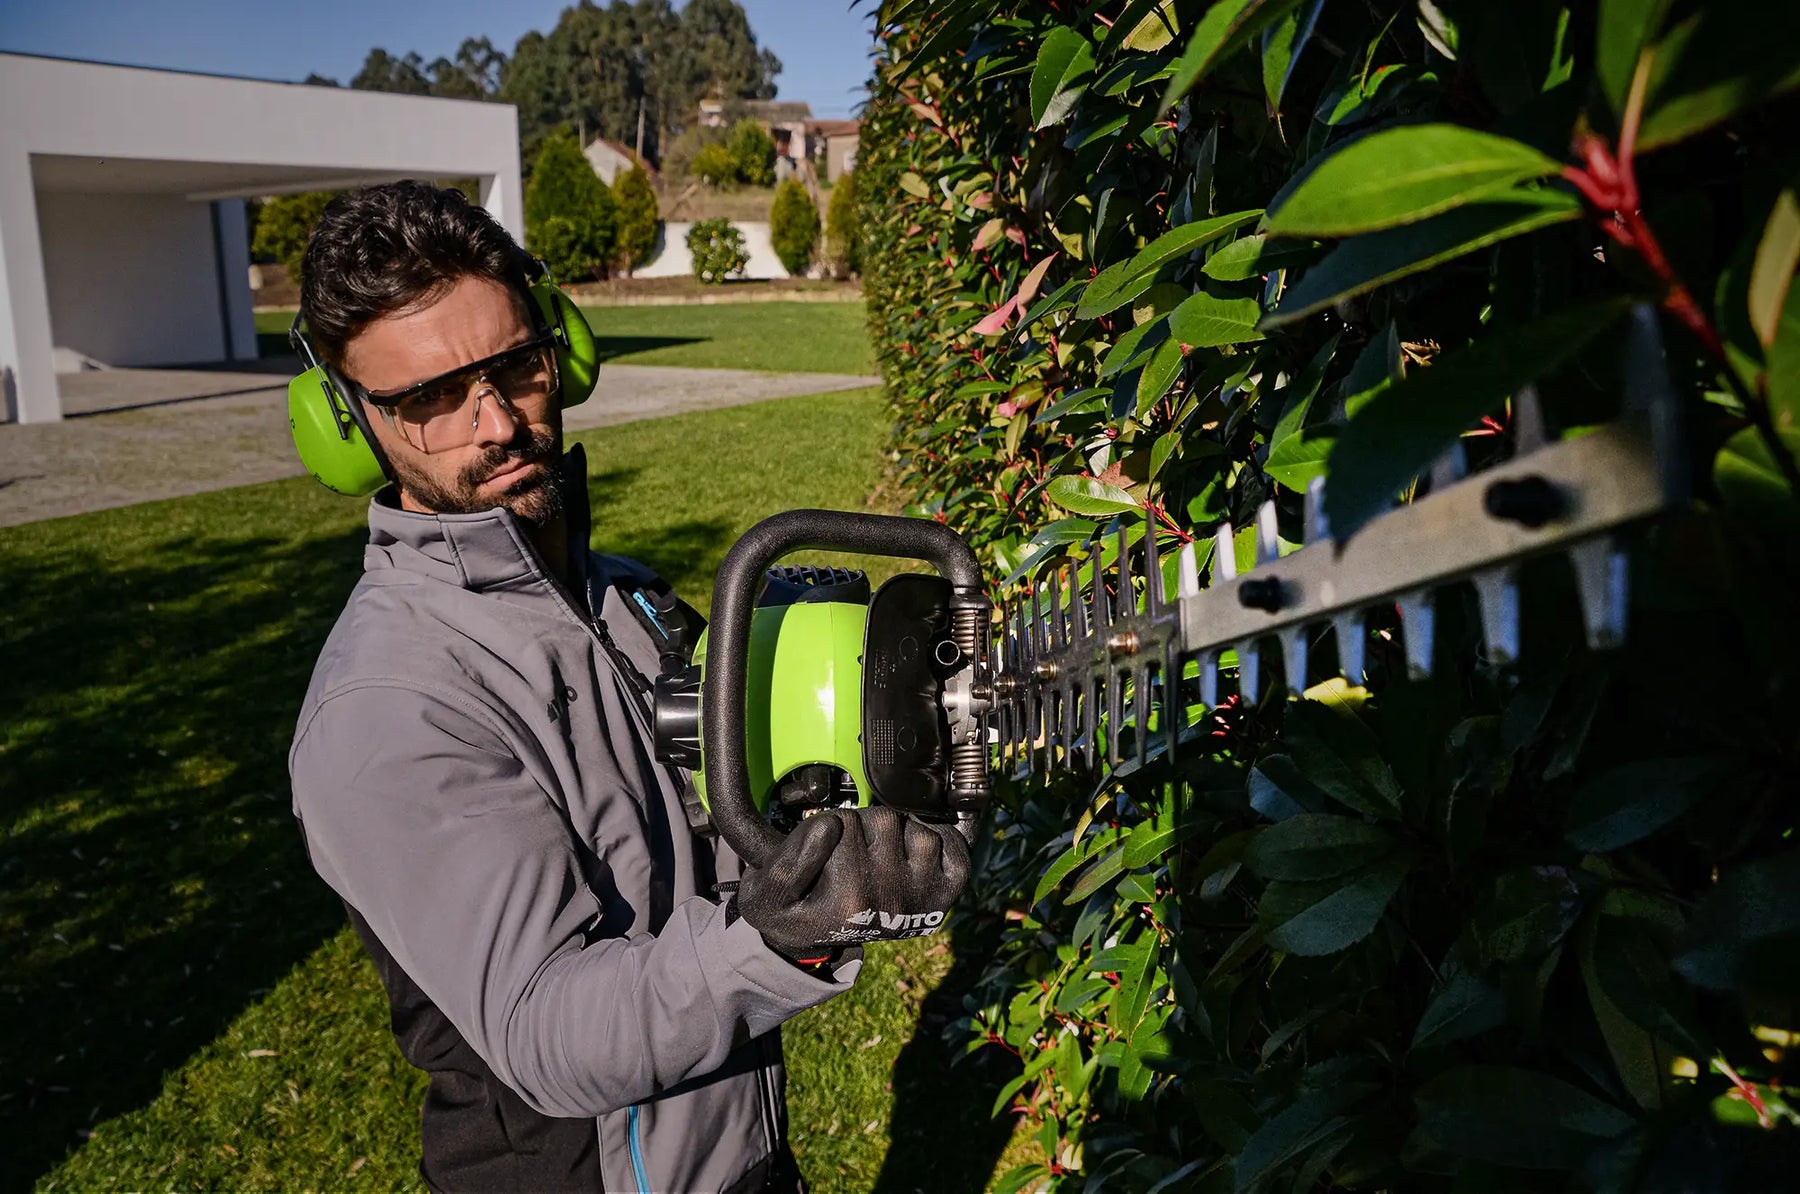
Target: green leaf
1160	372
1123	281
1105	869
1057	871
1064	57
1752	483
1136	978
1313	846
1624	28
1254	256
1516	1117
1783	372
1635	800
1314	919
1362	263
1079	993
1407	423
1401	175
1772	274
1297	1129
1465	1006
1342	757
1227	26
1133	348
1148	842
1296	460
1723	59
1278	790
1089	495
1746	931
1207	321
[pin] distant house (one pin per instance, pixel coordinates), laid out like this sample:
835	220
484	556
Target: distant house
785	121
834	145
610	159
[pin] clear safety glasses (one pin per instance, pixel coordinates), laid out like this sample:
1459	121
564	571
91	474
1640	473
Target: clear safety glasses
444	412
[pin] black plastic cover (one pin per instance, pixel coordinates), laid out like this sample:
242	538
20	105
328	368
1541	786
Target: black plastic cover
795	583
906	737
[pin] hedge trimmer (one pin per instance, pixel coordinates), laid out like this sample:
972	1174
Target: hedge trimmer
819	694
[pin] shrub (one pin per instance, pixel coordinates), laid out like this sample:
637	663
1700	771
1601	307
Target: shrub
843	228
718	250
678	162
1510	928
713	166
282	226
637	217
793	226
565	189
752	153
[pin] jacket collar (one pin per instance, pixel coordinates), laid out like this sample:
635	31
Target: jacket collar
480	552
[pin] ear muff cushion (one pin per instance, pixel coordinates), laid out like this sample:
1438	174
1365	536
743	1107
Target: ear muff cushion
578	361
348	466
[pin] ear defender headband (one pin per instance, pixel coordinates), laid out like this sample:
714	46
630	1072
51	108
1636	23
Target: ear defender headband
331	429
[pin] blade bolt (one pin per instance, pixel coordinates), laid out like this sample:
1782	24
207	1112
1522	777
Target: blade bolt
1124	643
1045	670
1005	685
1531	501
1260	592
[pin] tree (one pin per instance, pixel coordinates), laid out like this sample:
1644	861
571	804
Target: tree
283	225
843	227
714	166
752	153
793	226
565	188
637	217
718	250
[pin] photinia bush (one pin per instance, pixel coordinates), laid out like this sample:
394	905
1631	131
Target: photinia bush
1505	928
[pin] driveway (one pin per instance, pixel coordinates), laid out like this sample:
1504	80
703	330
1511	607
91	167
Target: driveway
134	435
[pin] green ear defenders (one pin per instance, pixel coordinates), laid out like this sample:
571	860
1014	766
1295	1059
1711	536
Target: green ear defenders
331	432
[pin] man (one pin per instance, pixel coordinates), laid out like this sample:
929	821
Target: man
474	775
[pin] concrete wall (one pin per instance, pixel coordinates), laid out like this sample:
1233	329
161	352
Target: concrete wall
672	259
133	279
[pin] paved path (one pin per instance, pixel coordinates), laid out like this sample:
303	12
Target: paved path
139	434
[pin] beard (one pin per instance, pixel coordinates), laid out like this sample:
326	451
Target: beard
534	497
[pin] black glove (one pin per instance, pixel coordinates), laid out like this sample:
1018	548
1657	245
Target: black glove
847	876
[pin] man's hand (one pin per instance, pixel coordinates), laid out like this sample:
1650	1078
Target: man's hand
846	876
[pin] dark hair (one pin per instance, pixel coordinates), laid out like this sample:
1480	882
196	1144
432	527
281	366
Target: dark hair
384	248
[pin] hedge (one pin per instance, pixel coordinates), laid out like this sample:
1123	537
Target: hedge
1526	928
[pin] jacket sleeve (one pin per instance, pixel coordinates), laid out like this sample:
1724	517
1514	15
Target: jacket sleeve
417	814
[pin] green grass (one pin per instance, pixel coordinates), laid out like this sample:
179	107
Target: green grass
184	1007
776	336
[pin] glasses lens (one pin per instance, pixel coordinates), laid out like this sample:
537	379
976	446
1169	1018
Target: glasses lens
443	414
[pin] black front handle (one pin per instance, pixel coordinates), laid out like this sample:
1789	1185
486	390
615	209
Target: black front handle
728	639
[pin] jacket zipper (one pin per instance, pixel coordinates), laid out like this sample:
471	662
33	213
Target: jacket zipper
637	1151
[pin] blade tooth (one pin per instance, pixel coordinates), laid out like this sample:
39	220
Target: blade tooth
1059	629
1090	720
1602	577
1268	536
1187	572
1102	603
1249	656
1418	624
1065	706
1449	468
1209	680
1082	627
1155	596
1127	587
1140	711
1115	701
1316	526
1224	554
1527	421
1172	708
1497	590
1293	659
1351	644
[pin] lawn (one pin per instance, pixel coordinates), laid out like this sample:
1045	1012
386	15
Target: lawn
776	336
187	1010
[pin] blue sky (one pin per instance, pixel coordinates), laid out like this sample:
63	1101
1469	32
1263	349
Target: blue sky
822	44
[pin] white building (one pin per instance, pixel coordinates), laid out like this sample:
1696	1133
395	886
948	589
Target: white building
122	235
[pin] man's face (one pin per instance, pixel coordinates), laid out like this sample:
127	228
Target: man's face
512	457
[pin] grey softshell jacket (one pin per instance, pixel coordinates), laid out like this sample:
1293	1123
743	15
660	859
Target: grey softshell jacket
473	775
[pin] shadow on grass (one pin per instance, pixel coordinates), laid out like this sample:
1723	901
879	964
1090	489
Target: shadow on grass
614	347
153	881
942	1135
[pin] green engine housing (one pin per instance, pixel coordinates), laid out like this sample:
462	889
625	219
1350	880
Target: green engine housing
804	701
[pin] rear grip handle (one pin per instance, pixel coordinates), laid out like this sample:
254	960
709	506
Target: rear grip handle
722	695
